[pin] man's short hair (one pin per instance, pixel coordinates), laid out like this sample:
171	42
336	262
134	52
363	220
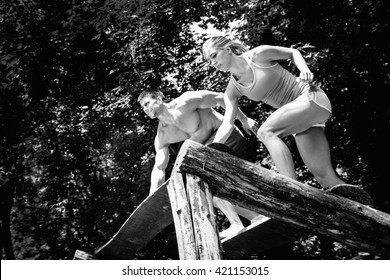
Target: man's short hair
150	92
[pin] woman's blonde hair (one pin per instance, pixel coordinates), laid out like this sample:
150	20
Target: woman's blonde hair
221	42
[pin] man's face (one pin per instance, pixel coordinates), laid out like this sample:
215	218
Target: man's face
150	106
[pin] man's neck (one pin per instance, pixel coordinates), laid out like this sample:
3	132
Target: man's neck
166	116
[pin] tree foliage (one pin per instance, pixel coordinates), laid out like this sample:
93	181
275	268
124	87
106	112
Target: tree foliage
76	150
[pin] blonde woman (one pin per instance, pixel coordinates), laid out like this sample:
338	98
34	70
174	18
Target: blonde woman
301	109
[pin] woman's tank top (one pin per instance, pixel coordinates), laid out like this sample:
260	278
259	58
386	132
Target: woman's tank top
272	85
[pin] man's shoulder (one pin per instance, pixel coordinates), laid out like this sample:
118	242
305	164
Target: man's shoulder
182	104
184	97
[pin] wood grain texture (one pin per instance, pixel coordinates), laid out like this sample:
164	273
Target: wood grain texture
181	212
203	219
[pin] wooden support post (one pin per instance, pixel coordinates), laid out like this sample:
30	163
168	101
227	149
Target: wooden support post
182	217
193	215
273	195
204	219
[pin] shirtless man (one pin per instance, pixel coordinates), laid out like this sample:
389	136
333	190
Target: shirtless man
190	116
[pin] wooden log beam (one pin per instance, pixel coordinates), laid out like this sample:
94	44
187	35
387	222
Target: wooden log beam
271	194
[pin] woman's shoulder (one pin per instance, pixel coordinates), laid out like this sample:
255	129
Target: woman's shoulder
259	50
260	55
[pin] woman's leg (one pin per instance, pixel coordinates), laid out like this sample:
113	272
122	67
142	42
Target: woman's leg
294	117
249	214
314	150
235	222
279	152
228	209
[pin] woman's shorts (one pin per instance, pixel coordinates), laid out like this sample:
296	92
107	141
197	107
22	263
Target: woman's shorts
318	96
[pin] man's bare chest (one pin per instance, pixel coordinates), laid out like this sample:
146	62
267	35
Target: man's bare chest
170	134
187	122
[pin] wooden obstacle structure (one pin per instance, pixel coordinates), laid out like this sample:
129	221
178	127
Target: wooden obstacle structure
263	191
293	209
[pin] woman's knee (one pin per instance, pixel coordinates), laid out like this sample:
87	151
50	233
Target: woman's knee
265	134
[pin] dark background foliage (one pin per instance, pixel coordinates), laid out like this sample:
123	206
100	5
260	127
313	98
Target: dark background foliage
76	150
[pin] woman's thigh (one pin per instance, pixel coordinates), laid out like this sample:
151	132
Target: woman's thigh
295	117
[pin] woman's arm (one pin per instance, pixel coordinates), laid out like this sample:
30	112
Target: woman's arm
267	54
248	124
231	108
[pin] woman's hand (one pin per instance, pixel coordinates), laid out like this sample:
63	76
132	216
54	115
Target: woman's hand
306	76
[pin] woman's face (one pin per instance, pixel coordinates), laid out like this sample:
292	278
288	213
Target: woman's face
220	58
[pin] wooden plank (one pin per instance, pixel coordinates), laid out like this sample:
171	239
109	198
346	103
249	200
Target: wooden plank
148	219
204	219
262	235
181	212
273	195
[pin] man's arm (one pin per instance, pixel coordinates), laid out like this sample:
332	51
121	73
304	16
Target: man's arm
202	99
160	164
